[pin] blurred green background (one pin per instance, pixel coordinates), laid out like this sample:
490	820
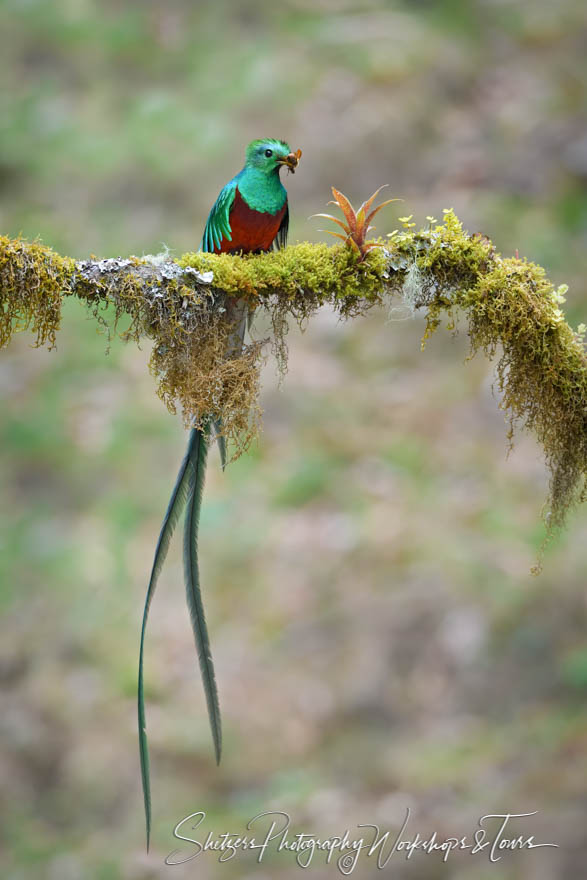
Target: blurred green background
378	639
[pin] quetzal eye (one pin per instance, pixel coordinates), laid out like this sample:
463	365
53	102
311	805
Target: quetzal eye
268	153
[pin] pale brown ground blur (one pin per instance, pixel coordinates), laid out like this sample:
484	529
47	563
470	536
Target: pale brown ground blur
378	639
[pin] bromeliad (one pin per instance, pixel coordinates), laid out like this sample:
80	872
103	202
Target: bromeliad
357	227
249	216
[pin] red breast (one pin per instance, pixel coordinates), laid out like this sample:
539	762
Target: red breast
251	230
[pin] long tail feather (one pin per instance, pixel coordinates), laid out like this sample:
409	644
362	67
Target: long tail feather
174	509
197	468
221	440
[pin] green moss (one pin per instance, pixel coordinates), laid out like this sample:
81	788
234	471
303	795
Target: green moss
512	310
32	278
299	274
542	370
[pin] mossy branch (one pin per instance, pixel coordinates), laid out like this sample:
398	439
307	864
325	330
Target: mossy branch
186	308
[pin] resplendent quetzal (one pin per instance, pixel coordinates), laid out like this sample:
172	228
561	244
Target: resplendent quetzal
250	215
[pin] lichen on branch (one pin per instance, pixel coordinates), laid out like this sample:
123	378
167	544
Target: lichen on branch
185	307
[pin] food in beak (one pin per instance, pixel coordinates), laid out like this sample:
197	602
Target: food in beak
292	160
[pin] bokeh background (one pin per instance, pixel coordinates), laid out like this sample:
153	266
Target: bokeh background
378	638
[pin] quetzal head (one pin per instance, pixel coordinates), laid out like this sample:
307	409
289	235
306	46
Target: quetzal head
269	154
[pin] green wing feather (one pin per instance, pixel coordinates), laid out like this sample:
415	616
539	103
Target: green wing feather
217	225
174	509
280	239
197	468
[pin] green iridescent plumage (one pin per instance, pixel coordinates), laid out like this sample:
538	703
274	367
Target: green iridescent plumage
218	223
262	192
259	185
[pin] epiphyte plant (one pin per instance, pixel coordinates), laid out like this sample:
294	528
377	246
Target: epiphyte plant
357	223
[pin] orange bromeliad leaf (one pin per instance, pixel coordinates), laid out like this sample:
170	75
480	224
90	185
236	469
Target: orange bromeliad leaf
379	207
336	234
368	202
357	226
334	220
346	208
361	219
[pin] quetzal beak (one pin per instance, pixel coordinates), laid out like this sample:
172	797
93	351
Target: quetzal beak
291	160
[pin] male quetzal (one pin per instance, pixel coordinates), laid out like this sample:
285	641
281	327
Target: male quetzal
249	215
